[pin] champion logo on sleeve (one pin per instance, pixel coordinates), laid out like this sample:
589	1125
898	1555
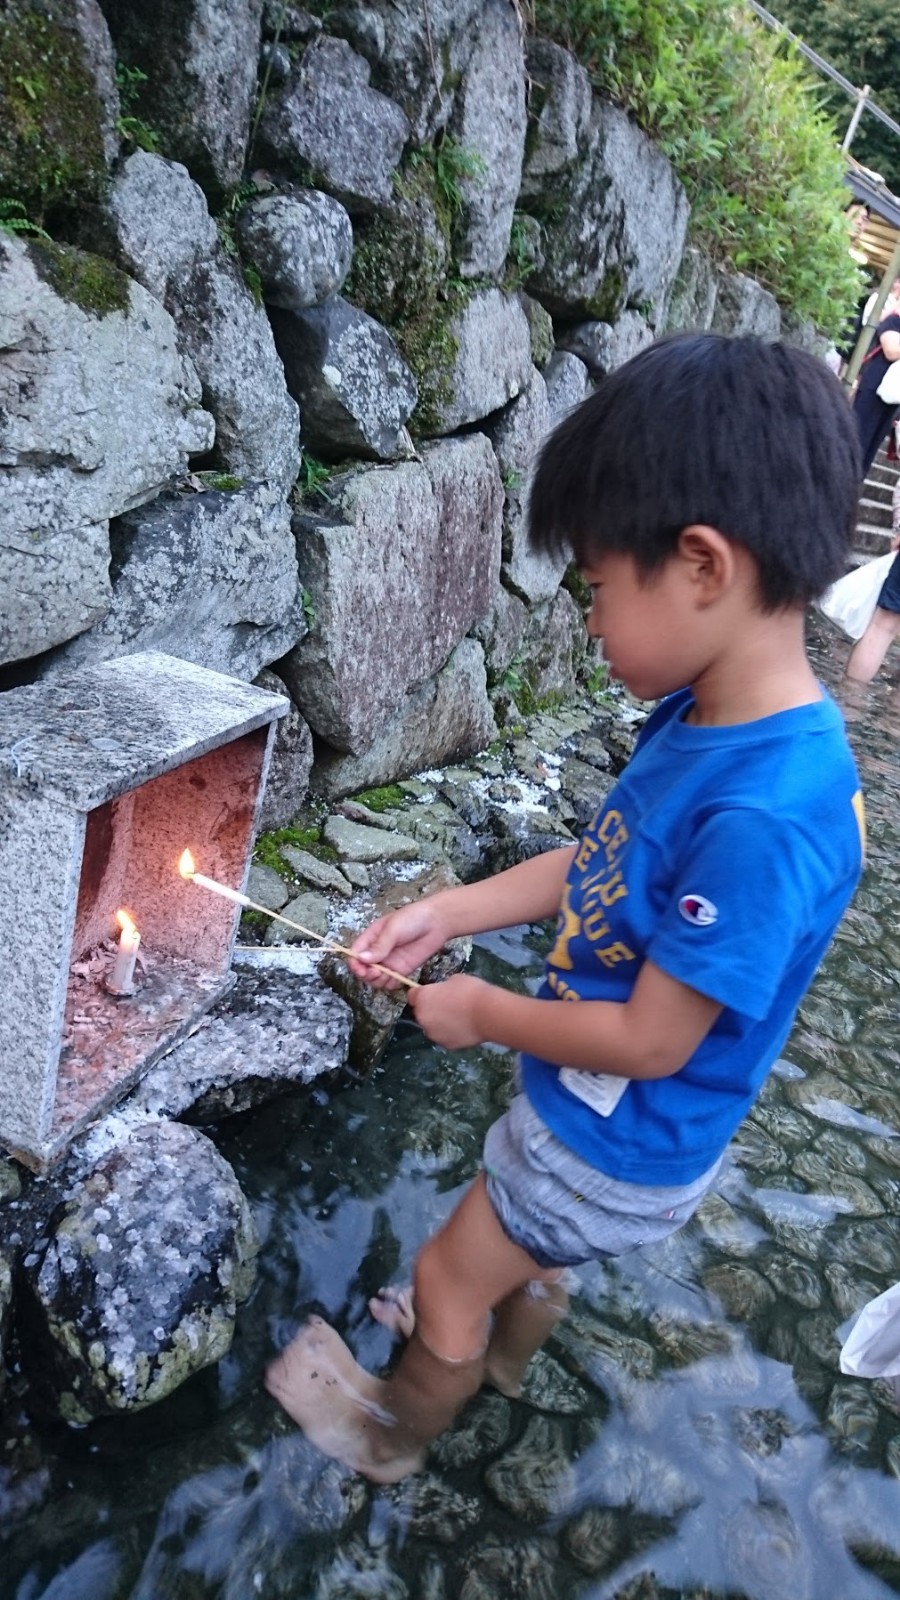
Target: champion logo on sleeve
696	909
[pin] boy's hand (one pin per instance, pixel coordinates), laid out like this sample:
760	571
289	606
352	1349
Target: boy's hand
403	940
453	1013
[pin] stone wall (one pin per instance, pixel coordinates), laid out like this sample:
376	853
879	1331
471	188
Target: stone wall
270	391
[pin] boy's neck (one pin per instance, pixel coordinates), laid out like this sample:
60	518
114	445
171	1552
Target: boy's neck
760	670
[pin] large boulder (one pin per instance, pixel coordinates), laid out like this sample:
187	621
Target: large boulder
135	1284
516	434
199	61
407	561
617	233
417	53
168	240
743	306
445	719
482	361
58	133
489	124
328	125
604	346
100	409
277	1030
693	301
568	383
559	114
355	390
300	243
292	757
209	577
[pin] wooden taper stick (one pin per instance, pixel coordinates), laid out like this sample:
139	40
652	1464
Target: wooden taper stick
251	905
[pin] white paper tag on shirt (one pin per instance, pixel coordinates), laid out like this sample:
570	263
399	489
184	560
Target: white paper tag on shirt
601	1091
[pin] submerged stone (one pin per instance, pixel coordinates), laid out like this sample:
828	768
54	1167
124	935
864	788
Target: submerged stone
535	1480
136	1285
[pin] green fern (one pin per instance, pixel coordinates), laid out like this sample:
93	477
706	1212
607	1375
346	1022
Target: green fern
15	219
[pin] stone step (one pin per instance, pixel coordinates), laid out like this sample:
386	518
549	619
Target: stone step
884	472
877	511
882	480
872	539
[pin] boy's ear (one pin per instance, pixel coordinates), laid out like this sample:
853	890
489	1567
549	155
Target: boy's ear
710	561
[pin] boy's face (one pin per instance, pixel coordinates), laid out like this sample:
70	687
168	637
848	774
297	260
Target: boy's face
649	625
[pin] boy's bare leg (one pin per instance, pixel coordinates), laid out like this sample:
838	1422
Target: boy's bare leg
869	652
522	1324
382	1427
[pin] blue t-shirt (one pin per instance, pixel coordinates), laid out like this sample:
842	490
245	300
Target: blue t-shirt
726	856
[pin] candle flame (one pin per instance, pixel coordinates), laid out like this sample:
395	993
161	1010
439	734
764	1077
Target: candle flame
125	922
186	865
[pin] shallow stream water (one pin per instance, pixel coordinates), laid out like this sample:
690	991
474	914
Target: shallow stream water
688	1434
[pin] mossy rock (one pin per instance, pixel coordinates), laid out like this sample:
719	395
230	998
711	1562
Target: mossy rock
52	155
87	281
415	229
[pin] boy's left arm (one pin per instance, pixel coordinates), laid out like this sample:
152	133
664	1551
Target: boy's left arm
650	1035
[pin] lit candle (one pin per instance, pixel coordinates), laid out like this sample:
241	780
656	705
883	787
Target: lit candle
121	979
186	868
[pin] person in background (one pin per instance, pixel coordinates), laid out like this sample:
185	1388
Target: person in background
870	650
873	415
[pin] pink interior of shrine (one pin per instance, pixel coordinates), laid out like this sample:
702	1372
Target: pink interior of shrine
133	843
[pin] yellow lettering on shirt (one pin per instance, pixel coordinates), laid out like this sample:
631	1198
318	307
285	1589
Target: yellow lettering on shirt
568	924
859	811
616	843
613	890
586	849
614	953
595	926
608	826
560	987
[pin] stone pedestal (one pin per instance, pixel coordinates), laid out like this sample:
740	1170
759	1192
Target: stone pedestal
106	776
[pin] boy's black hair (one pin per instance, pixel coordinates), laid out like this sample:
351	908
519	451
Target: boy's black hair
756	440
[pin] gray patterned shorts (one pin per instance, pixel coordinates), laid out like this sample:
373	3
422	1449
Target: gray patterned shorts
563	1211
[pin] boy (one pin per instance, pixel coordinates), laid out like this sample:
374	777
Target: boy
707	491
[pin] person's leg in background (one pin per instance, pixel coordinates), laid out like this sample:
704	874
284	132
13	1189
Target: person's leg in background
869	652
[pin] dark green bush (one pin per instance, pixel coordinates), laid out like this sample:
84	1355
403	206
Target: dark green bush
737	112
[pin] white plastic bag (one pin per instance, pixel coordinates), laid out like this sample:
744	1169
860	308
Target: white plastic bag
889	388
850	602
872	1348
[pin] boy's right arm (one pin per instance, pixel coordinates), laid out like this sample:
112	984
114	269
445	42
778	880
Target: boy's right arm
529	892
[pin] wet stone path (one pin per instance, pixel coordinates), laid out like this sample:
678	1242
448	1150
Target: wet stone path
686	1436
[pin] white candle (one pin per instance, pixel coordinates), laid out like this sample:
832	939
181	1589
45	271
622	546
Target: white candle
121	979
220	888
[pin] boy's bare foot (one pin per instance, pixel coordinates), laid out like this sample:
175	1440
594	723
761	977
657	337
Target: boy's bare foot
393	1308
339	1405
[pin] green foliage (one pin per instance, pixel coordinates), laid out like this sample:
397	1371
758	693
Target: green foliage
313	477
14	219
454	165
520	256
387	798
309	608
223	481
512	480
516	682
268	847
226	217
859	37
134	130
734	107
